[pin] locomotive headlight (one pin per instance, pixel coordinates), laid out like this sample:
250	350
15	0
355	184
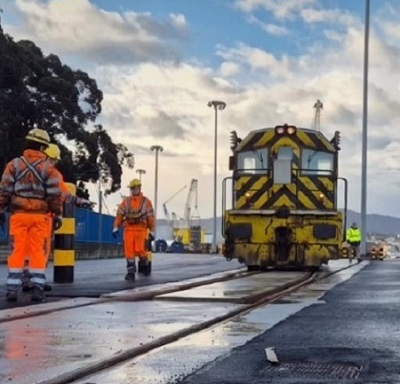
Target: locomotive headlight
321	196
280	130
291	130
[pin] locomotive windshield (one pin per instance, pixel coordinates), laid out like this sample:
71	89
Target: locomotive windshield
317	162
253	161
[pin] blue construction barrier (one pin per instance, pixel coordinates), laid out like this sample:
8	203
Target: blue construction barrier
4	231
91	227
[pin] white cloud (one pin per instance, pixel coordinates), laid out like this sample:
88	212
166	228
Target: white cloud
281	9
271	29
335	16
79	27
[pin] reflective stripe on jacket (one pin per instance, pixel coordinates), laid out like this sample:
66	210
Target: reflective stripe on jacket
353	235
135	211
31	184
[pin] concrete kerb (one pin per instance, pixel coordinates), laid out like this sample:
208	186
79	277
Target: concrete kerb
134	294
45	308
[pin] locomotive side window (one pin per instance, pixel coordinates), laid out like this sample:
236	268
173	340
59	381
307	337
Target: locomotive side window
253	161
316	162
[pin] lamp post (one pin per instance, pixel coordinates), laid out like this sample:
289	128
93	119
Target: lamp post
140	172
157	149
217	105
365	136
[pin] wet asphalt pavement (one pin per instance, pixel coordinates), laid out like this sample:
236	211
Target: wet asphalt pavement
351	336
93	278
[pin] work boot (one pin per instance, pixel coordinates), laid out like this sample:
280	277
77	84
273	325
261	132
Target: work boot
143	266
38	294
12	295
131	269
130	276
26	284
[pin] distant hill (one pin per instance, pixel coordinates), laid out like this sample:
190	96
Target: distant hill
376	224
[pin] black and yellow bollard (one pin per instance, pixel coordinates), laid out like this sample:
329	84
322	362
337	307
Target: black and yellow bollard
64	244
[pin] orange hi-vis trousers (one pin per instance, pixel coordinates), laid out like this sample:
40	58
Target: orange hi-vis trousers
48	241
135	237
29	232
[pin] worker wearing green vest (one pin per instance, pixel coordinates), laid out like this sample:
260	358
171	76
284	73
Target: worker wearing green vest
353	238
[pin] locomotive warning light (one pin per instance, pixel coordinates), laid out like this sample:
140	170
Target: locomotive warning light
285	130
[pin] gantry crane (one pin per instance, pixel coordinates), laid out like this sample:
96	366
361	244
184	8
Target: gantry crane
187	215
317	117
166	212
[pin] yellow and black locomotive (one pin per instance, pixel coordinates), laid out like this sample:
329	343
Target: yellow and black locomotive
283	194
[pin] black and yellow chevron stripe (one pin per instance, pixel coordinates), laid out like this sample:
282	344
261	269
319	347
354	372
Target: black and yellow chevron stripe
305	191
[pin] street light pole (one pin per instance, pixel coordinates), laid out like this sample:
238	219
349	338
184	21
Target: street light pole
217	105
157	149
140	172
365	136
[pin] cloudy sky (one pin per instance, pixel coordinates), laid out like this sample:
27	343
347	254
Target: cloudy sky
159	62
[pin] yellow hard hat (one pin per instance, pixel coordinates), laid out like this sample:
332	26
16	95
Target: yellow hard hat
134	183
39	136
53	151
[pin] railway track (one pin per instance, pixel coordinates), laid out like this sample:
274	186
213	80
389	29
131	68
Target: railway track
240	307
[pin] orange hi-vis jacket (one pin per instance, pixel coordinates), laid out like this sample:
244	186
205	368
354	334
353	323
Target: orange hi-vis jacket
30	184
135	211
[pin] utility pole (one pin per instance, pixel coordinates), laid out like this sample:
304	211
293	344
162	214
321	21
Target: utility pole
217	105
140	172
157	149
365	136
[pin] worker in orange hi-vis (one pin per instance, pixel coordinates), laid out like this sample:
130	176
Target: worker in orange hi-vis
136	215
53	153
30	188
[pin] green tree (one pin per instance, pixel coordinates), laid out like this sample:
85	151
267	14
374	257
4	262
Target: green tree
41	90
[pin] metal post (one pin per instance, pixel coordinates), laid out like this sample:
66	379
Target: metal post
365	136
100	224
218	105
157	149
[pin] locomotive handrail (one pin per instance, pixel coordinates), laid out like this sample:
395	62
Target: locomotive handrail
345	206
224	181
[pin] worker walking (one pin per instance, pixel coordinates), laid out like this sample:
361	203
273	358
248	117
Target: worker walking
353	238
136	215
30	188
53	153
